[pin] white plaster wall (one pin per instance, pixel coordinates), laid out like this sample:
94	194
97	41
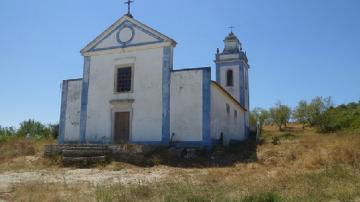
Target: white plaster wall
223	122
72	117
186	105
147	95
235	89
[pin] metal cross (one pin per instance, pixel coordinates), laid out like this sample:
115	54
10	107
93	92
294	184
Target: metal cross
129	2
231	28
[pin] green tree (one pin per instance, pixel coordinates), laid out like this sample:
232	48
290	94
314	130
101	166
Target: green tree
253	119
7	131
33	129
261	116
301	113
316	110
280	115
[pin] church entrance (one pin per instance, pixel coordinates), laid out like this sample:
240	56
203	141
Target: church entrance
122	127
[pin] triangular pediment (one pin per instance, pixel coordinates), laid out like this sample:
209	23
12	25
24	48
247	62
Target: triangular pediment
126	32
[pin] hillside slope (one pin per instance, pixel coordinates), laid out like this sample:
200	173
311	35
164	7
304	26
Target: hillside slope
293	165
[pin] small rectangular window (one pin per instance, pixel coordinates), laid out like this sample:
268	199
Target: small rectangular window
235	116
228	108
123	79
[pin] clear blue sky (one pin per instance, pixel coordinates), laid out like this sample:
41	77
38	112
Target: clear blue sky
297	49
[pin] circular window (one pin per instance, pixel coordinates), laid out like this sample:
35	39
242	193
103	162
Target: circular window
125	35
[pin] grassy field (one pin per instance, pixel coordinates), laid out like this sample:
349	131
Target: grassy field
293	165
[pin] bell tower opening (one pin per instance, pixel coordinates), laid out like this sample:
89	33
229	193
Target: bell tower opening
229	78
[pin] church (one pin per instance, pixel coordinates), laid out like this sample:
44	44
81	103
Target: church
130	93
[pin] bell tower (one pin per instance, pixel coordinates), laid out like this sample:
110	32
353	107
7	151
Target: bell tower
232	73
232	70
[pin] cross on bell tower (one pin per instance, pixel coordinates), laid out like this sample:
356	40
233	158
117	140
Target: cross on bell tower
129	2
231	28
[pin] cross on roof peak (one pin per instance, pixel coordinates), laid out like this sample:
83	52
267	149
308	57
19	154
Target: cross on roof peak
231	28
129	2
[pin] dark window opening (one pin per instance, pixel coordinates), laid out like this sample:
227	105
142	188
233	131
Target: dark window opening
123	83
246	81
228	108
229	78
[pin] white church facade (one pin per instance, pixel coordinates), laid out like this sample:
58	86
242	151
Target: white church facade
130	93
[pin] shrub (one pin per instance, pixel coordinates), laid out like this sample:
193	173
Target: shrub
340	117
6	133
275	140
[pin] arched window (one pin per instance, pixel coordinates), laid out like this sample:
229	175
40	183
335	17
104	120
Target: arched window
229	78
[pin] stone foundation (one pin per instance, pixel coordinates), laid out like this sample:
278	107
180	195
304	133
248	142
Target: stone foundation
98	154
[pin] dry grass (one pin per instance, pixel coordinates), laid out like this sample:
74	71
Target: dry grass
303	166
309	150
20	153
52	192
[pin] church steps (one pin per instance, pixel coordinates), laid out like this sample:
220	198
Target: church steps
84	153
85	148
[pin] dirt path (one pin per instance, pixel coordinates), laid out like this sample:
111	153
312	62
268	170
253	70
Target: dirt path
76	176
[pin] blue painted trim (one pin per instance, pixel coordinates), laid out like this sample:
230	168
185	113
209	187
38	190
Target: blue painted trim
62	123
242	86
223	53
74	79
128	24
187	144
228	63
84	99
206	130
167	67
124	43
126	46
218	78
190	69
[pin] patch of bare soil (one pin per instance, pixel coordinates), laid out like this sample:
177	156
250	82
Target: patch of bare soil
95	177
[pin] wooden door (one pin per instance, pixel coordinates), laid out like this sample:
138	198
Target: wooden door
122	127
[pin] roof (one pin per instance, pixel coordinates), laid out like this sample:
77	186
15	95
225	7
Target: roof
191	69
231	36
228	94
116	25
